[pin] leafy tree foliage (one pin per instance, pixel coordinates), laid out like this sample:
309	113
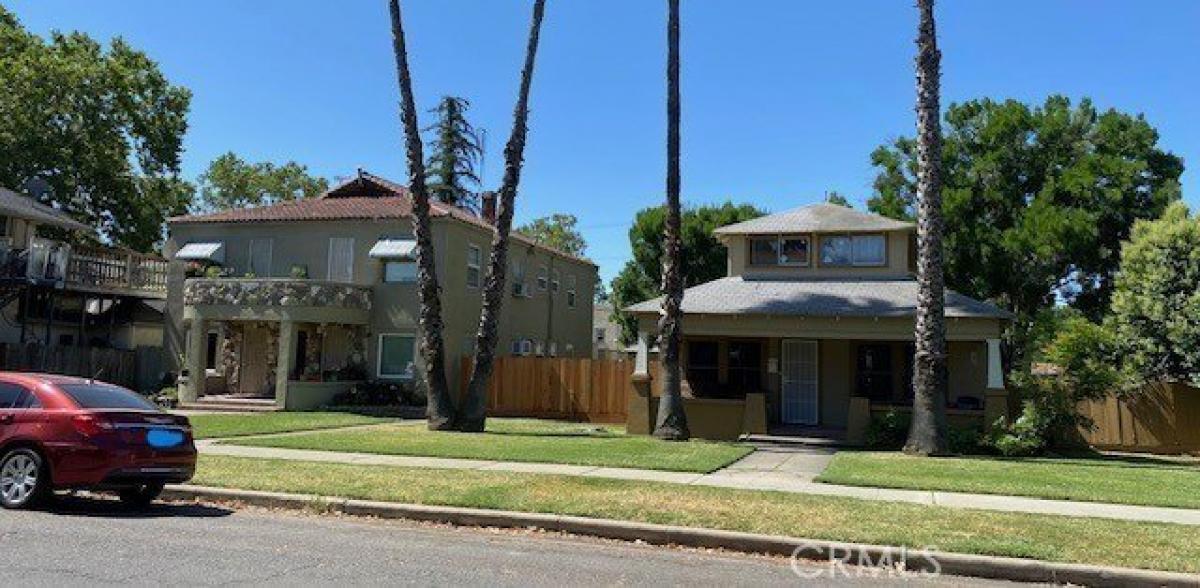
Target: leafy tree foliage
1156	305
231	182
1037	199
454	153
97	131
557	231
703	255
838	199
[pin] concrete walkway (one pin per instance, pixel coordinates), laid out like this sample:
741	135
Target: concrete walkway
774	467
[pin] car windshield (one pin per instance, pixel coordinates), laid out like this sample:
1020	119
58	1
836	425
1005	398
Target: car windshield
101	396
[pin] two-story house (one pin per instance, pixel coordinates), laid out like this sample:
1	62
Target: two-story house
813	327
293	302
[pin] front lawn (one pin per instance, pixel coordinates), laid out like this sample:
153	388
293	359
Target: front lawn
1136	480
215	425
1056	538
524	440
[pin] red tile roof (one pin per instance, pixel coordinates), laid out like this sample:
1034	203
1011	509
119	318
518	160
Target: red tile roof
364	197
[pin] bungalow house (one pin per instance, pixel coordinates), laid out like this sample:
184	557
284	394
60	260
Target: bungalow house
284	306
812	329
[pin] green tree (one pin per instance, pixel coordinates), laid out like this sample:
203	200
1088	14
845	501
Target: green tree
836	198
473	413
927	435
1156	304
1037	200
703	255
455	151
432	367
97	130
231	182
557	231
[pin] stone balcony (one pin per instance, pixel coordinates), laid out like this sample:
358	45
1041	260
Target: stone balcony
276	299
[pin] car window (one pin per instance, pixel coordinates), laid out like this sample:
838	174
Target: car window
28	400
9	394
102	396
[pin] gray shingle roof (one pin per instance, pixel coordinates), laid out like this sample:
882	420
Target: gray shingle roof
833	297
815	218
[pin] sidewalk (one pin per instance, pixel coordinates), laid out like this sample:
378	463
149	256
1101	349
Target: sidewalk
772	467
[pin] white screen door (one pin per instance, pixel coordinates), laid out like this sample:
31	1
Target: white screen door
341	259
799	405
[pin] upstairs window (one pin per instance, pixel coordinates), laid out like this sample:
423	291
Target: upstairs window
400	272
519	288
853	250
554	283
543	278
791	250
764	251
474	262
571	291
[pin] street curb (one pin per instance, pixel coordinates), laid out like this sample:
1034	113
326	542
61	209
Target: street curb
956	564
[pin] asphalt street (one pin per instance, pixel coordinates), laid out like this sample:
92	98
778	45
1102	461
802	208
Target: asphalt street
92	542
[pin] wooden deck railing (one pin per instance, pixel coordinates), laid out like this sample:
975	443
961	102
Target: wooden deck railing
113	269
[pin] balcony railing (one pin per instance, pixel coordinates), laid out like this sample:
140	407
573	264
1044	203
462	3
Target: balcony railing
277	292
99	269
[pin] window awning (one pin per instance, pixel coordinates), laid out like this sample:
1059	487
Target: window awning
394	249
214	252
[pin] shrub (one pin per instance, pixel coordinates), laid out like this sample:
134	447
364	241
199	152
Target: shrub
889	431
379	393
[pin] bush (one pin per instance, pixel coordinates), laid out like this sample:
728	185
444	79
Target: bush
379	394
889	431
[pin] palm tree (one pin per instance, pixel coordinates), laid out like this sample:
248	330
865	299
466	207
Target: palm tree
457	148
672	422
474	407
927	436
433	348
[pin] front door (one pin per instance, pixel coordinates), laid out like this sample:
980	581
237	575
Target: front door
799	372
254	369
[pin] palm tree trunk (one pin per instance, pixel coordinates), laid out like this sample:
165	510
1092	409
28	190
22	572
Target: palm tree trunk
432	370
474	407
672	422
927	436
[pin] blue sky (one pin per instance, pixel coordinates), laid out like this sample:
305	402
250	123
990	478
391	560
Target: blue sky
782	100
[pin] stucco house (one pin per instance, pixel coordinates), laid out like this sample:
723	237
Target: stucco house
812	328
292	303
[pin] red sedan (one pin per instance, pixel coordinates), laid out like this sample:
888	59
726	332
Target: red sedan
60	432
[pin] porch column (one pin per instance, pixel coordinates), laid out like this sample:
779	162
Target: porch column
197	347
283	367
995	405
639	407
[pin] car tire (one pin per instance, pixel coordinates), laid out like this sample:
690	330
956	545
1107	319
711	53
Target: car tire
24	479
141	496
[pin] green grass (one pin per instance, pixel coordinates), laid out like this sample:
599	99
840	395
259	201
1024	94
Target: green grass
211	426
1142	481
1056	538
524	440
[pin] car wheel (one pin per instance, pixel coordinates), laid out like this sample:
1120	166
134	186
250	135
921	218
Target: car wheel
141	496
23	479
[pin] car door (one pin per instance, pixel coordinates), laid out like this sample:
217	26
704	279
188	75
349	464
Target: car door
10	394
28	414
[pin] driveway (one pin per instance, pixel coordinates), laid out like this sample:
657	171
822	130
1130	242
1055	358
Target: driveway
96	544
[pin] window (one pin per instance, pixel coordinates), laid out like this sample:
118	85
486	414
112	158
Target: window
793	251
764	251
341	259
399	272
859	250
875	376
9	394
396	356
703	366
519	288
260	257
868	249
105	396
745	367
543	278
526	346
571	289
474	262
28	400
210	355
515	349
554	282
600	332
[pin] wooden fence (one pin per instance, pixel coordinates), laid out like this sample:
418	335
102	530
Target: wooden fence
110	365
592	390
1161	418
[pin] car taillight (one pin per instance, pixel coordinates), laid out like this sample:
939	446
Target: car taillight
89	425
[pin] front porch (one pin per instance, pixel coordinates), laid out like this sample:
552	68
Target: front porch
817	383
296	342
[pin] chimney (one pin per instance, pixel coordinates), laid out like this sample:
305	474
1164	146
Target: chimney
487	207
